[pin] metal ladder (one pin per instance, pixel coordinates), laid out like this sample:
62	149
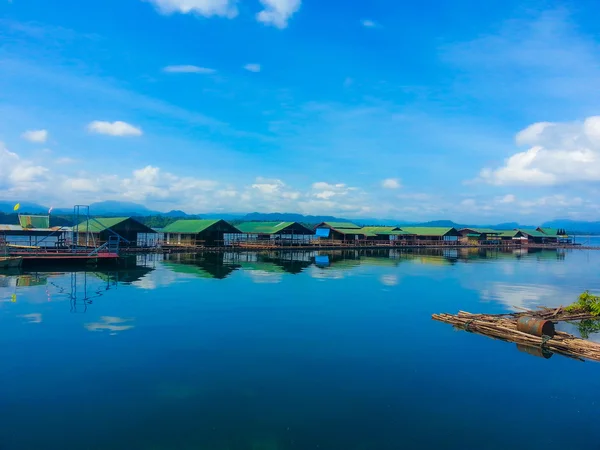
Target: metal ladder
111	246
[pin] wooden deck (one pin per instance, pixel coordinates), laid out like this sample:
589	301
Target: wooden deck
62	258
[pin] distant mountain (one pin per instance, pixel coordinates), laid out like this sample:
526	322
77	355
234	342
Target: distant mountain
289	217
26	207
574	226
121	208
176	214
118	208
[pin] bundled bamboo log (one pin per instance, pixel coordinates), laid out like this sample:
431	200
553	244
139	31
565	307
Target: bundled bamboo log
504	327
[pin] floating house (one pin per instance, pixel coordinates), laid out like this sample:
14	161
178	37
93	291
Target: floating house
32	231
558	235
514	236
193	233
379	233
97	231
536	237
341	231
479	236
277	233
442	234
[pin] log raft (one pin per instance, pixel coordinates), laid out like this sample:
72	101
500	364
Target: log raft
504	327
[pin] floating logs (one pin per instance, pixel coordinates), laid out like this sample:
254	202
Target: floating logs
505	327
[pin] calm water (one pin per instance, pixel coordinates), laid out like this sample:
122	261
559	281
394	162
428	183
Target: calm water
265	352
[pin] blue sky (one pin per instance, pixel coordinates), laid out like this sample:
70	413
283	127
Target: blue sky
427	110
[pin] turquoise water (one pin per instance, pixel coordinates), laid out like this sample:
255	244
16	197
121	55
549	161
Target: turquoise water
290	351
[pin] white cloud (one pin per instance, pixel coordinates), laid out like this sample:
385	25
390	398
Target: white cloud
206	8
278	12
391	183
81	185
38	136
252	68
189	69
532	133
368	23
561	153
326	191
17	175
266	186
508	198
117	128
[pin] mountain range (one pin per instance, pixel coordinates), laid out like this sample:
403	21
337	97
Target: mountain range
117	208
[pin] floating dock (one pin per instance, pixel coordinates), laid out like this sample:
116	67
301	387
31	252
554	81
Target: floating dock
30	259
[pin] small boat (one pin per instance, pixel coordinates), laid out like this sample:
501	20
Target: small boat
9	262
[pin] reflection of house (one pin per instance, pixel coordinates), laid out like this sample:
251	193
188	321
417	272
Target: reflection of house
433	233
126	276
197	232
204	265
281	233
98	231
341	231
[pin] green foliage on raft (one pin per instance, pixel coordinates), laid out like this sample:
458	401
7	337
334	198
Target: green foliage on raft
586	303
587	327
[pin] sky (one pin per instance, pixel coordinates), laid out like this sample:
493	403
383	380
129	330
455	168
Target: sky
471	111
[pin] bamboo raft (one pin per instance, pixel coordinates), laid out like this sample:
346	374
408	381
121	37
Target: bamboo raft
504	327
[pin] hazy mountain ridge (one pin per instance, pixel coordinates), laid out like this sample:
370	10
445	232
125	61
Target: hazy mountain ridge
118	208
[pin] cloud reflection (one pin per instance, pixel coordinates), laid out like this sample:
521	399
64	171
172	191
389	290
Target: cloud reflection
389	280
516	296
32	318
264	277
112	324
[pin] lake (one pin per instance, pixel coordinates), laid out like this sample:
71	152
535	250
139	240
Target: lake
330	351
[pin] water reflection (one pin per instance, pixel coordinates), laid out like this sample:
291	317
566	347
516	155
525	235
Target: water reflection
206	358
112	324
156	271
32	318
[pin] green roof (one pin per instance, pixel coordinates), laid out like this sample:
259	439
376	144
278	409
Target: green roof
385	231
100	224
509	233
189	226
429	231
553	231
343	225
532	233
263	227
481	230
34	221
